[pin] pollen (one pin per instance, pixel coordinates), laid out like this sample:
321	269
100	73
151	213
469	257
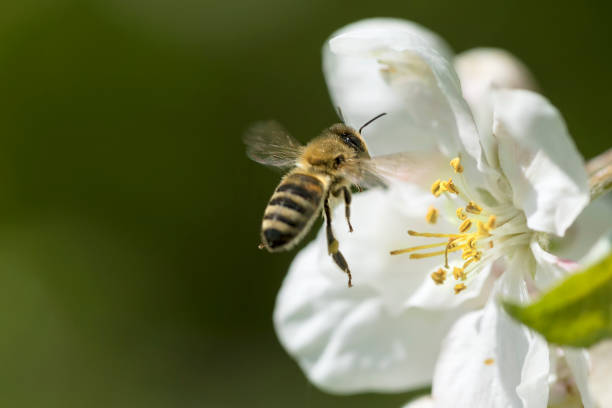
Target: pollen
459	287
459	274
449	186
489	361
472	240
473	208
439	276
456	165
435	188
461	214
432	215
465	225
491	222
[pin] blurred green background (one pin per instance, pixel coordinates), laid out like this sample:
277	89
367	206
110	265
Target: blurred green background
129	214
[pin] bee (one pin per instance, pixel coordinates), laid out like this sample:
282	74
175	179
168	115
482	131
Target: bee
319	174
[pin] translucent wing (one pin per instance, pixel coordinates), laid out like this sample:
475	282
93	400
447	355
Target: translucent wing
270	144
416	167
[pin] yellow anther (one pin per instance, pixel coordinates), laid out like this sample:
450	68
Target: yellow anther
456	165
476	257
490	244
473	208
435	188
482	229
468	254
471	242
491	222
465	225
458	273
459	287
460	214
450	186
439	276
432	215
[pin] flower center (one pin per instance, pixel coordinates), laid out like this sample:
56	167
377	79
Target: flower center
484	233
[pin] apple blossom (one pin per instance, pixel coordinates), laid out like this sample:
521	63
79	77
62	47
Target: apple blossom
513	179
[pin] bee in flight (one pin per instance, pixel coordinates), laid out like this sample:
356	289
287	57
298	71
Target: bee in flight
320	173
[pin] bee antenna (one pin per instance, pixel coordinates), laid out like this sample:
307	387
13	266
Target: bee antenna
371	120
340	115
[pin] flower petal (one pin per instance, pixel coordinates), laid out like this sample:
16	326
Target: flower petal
549	269
420	81
363	338
423	402
599	379
481	70
586	230
540	160
431	296
488	360
578	362
357	86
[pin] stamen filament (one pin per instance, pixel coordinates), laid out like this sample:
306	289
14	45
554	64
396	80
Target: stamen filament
433	234
430	254
416	248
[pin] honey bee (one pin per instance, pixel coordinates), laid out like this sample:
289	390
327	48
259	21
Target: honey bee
320	172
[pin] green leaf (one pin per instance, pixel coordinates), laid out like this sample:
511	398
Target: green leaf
577	312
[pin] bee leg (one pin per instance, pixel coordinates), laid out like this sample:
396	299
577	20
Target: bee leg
347	207
332	244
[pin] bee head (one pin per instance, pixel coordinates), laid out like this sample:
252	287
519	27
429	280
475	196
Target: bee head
350	138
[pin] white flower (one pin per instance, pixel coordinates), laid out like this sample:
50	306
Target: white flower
516	179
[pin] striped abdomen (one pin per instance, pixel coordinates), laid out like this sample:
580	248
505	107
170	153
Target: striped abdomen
294	206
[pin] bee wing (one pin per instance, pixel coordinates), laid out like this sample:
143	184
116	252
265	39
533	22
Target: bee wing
416	167
270	144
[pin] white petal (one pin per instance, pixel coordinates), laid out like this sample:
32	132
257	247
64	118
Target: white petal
578	362
363	338
429	295
550	269
488	360
427	101
423	402
601	372
481	70
357	86
587	230
540	160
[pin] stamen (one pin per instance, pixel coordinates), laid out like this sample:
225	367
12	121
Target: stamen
430	254
450	186
432	234
459	287
435	188
465	225
459	274
456	165
468	254
466	264
439	276
471	242
460	214
482	229
491	222
432	215
416	248
473	208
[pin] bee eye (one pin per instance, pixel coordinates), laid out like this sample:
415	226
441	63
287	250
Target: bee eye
353	141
